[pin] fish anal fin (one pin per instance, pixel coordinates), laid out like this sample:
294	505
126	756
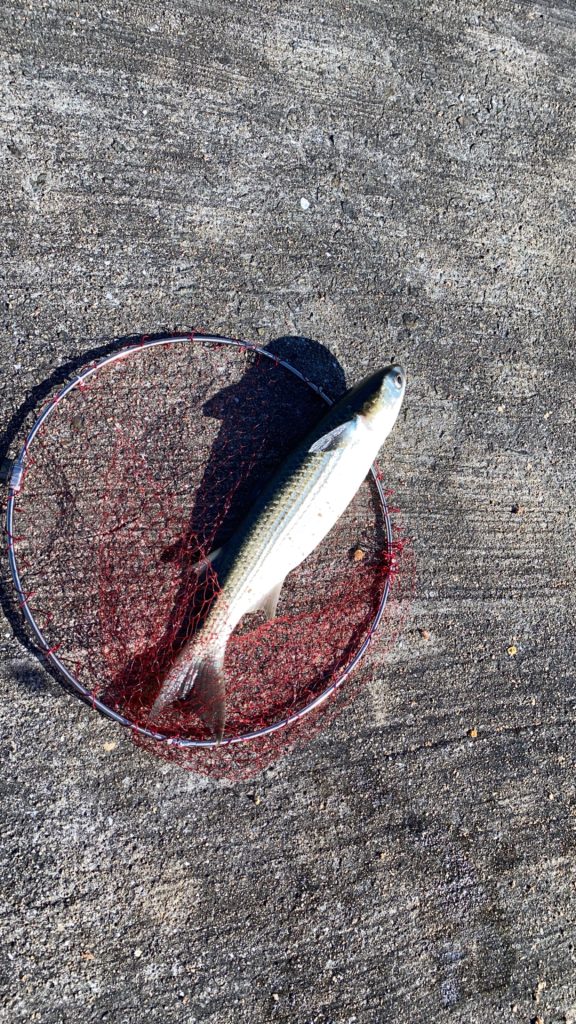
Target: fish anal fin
269	602
332	440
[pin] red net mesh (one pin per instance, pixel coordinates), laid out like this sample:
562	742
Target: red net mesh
135	476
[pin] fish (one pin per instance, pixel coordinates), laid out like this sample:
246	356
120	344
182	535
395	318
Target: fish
293	513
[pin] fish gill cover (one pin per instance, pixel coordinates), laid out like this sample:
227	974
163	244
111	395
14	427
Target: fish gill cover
141	471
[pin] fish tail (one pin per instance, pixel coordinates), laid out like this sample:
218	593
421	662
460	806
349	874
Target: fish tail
198	672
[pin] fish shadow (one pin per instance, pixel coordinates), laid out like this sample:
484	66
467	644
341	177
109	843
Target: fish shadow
262	417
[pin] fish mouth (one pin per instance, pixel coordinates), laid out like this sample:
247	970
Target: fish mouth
388	386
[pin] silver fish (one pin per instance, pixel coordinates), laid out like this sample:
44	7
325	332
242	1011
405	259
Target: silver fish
293	514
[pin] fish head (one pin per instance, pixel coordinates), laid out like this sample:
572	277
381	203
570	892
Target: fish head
380	399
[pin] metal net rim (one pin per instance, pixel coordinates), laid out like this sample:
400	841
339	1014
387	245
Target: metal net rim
49	654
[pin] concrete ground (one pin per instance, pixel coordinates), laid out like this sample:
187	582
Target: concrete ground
386	178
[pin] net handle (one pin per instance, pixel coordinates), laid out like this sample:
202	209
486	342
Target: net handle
49	653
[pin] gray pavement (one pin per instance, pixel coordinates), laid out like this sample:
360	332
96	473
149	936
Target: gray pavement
416	862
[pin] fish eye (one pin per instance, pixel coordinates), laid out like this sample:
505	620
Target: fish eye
398	380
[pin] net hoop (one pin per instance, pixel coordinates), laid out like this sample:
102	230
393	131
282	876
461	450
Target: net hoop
49	654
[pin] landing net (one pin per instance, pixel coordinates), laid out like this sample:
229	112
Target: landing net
136	470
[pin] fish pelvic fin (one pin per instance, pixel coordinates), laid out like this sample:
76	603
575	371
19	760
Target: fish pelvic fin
269	602
198	673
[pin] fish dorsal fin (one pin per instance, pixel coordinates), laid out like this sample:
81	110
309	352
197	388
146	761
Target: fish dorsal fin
204	564
332	440
269	602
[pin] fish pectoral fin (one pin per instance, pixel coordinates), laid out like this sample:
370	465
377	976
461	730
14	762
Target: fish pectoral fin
332	440
269	602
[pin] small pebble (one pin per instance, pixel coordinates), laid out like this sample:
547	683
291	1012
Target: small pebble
304	204
473	732
110	745
538	990
137	952
358	555
512	650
